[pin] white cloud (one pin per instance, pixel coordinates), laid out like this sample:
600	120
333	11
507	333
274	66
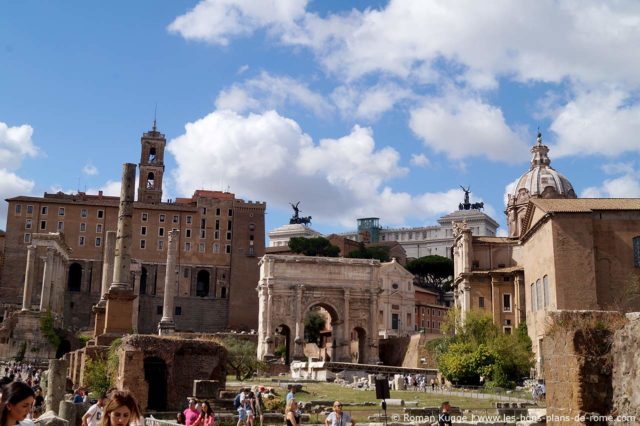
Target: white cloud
15	145
509	189
244	68
625	186
11	185
462	127
419	160
216	21
90	170
603	122
271	92
268	157
369	103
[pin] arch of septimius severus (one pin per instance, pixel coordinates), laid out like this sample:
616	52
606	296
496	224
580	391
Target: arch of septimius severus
348	289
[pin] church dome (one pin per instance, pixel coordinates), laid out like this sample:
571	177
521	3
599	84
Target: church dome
542	180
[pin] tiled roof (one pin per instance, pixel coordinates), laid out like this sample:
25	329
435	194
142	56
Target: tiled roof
585	205
482	239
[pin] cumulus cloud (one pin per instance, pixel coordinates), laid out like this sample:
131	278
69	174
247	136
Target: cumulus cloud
271	92
419	160
217	21
90	170
15	145
12	185
268	156
462	127
625	186
369	102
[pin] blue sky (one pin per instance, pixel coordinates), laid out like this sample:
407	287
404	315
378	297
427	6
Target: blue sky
362	108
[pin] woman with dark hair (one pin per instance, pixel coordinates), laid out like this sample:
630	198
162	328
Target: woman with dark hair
121	410
206	417
16	403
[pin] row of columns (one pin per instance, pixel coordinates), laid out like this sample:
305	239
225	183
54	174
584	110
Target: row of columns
53	278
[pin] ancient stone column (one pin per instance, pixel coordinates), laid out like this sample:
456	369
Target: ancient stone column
137	273
56	383
372	350
347	329
107	263
122	262
167	325
298	350
28	277
269	338
47	275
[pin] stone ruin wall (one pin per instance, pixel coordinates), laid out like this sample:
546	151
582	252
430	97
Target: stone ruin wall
626	368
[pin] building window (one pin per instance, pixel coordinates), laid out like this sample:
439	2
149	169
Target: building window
27	238
216	247
201	247
228	248
506	302
145	217
83	227
481	302
60	226
223	293
160	245
228	235
506	329
159	310
178	310
176	219
185	273
83	213
218	211
100	214
81	241
143	230
538	294
18	208
545	285
143	244
98	241
230	212
29	209
636	252
203	233
250	251
533	297
28	223
160	232
61	211
228	225
162	218
203	211
44	210
187	246
189	219
188	233
43	224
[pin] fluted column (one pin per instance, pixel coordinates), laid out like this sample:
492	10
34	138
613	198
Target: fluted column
46	280
28	277
167	324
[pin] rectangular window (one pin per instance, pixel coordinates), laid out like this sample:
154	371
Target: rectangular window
83	213
160	232
217	224
228	248
81	241
18	208
229	236
203	223
162	218
185	273
178	310
230	212
218	211
159	310
188	233
27	238
506	302
145	217
228	225
60	226
506	329
44	210
538	294
43	224
143	230
201	247
203	211
61	211
29	209
28	223
99	228
98	241
203	233
395	321
187	246
176	219
83	227
250	251
216	247
143	244
100	214
216	235
160	245
545	284
189	219
533	297
481	302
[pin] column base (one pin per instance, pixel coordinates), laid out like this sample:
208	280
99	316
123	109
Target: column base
119	311
166	328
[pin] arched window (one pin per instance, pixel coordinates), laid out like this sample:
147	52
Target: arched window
75	277
152	155
636	252
143	281
202	285
151	180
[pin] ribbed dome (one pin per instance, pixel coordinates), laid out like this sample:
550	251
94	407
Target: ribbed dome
541	176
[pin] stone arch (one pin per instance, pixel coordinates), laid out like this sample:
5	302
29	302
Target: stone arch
74	281
202	283
358	345
325	345
151	180
152	155
155	374
282	342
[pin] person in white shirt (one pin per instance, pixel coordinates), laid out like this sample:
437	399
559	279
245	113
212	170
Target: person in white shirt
93	416
338	417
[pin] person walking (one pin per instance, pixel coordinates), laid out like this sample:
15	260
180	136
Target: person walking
191	413
206	415
291	415
93	416
121	410
444	418
15	404
338	417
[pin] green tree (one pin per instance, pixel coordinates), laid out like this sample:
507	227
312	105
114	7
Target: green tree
313	324
317	246
372	252
241	357
101	371
432	271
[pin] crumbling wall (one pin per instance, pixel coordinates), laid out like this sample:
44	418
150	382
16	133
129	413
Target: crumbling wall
578	365
626	368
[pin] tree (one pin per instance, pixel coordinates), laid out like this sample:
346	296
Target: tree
372	252
432	271
313	324
317	246
241	357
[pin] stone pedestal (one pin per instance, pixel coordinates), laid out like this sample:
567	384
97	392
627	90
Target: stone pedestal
99	312
118	312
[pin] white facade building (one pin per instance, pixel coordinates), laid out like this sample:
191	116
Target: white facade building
280	236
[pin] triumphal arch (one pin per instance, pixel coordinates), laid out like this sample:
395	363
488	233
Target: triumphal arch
346	291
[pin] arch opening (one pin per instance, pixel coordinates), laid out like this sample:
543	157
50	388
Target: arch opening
74	282
155	374
202	283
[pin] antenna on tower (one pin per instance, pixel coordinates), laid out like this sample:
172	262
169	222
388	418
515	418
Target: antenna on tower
155	111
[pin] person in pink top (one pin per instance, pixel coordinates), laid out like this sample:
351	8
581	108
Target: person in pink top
191	413
206	416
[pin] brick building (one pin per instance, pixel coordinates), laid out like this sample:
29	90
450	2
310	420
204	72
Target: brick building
430	314
221	240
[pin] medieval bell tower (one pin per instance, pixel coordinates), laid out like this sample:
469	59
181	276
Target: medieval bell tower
151	166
